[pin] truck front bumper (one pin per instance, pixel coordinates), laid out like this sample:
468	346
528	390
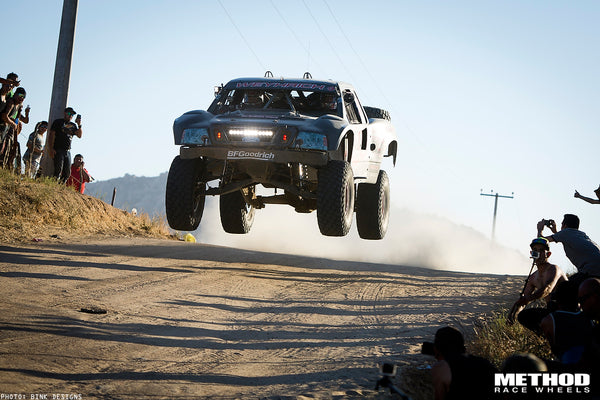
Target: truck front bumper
313	158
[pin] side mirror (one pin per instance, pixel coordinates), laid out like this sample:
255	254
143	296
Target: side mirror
349	97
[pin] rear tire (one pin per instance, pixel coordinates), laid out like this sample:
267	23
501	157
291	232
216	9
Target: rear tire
237	216
335	198
373	208
185	194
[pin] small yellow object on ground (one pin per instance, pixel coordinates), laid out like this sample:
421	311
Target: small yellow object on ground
189	238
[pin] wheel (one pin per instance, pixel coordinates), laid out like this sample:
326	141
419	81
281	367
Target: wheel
237	216
335	198
373	208
185	195
373	112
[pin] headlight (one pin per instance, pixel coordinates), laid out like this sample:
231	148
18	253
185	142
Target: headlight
195	136
310	140
251	132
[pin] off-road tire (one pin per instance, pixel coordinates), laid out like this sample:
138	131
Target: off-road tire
373	112
335	198
373	208
236	215
185	194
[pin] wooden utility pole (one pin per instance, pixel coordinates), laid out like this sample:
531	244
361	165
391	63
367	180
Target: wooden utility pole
496	207
62	73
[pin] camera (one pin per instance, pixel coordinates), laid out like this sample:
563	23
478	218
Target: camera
548	222
427	349
387	369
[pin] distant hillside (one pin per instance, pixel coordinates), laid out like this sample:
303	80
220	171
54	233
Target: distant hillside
146	194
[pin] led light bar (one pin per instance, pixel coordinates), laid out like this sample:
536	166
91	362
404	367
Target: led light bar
251	132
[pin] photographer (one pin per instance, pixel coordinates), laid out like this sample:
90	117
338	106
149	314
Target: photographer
539	285
458	375
579	248
79	175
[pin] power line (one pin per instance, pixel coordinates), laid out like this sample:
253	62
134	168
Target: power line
242	35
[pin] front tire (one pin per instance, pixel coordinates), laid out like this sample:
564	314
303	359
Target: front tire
373	208
185	194
335	198
237	216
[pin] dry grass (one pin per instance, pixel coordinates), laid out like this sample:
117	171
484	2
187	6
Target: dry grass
31	209
495	339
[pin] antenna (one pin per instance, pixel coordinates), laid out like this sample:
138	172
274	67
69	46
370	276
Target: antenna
496	207
268	74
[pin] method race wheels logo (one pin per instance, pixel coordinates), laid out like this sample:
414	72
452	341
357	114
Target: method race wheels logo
249	155
543	383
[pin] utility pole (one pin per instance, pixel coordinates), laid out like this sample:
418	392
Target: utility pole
496	207
62	73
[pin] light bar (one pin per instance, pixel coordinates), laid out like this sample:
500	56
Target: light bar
250	132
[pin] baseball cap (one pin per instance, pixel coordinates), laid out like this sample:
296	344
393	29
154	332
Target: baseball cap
70	110
540	240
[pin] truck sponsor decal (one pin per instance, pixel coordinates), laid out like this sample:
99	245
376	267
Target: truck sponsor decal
249	155
286	85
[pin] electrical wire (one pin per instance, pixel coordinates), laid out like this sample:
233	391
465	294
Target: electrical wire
242	36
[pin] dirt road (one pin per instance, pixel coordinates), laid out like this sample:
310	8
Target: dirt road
193	321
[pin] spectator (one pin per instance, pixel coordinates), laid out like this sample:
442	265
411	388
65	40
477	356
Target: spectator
567	329
457	375
589	300
539	285
579	248
588	199
79	175
60	135
35	149
12	116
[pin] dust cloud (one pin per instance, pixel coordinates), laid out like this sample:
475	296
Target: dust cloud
412	239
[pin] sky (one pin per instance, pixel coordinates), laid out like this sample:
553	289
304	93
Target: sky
496	96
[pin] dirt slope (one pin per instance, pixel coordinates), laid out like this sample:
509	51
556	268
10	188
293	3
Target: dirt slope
187	321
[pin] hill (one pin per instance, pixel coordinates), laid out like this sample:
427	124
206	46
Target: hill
41	209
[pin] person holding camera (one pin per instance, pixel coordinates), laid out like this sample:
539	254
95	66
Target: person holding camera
79	175
60	135
540	285
583	253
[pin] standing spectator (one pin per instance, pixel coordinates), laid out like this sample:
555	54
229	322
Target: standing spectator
589	199
59	141
79	175
579	248
35	149
13	117
540	285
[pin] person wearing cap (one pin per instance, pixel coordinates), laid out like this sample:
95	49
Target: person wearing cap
583	253
35	149
59	143
539	285
589	199
13	118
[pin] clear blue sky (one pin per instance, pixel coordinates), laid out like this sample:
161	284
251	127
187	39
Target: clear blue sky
494	95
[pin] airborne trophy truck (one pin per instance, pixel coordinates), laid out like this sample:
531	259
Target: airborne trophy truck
309	141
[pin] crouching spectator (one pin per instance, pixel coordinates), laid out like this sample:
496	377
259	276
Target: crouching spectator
567	329
457	375
35	149
79	175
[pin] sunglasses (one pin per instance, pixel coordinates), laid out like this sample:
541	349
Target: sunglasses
21	95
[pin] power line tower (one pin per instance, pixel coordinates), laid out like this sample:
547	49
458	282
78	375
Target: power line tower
496	196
